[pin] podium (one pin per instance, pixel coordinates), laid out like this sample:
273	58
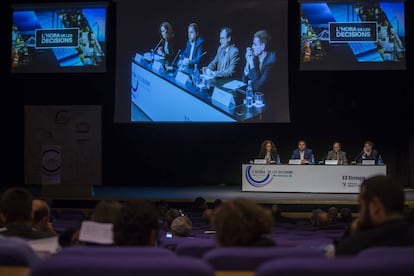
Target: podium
307	178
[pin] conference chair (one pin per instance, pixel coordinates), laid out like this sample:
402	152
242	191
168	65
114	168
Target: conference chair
64	265
116	251
16	257
387	252
245	260
195	247
338	266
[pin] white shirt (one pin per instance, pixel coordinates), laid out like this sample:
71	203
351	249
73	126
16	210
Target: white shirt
302	155
191	50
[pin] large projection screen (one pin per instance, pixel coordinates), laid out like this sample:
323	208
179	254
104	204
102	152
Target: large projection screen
149	90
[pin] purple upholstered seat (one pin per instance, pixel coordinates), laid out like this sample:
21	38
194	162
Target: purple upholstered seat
392	251
339	266
117	251
172	243
127	266
249	258
16	252
195	247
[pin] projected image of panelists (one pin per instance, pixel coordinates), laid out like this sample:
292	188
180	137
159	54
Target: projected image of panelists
321	46
56	39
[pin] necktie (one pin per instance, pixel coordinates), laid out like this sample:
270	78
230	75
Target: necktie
191	51
222	63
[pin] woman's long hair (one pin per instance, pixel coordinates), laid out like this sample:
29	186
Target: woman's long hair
263	148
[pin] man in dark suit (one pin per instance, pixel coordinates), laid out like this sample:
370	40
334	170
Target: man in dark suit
194	49
337	154
368	153
303	153
259	62
380	222
225	62
16	212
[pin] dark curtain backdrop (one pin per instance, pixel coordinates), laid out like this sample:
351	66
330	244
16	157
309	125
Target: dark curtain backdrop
325	106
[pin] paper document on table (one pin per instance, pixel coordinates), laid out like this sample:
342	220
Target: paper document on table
96	232
234	84
45	246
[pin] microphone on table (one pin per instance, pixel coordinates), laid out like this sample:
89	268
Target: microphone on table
203	54
156	47
171	67
359	156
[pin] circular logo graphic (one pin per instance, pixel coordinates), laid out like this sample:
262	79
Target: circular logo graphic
51	161
258	177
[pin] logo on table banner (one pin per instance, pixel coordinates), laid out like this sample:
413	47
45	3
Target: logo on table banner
352	181
258	177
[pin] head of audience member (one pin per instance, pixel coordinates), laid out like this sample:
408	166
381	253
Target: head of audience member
381	198
136	224
301	145
268	146
106	211
276	210
41	216
225	37
409	214
69	237
207	215
261	40
170	215
16	206
324	219
181	226
162	207
200	204
217	202
166	31
346	214
242	222
333	212
319	218
193	32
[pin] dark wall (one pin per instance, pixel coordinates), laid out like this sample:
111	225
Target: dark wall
325	106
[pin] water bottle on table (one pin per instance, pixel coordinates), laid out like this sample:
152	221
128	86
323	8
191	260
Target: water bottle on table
196	75
278	159
380	162
249	94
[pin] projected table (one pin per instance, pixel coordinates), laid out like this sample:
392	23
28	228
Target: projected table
307	178
163	98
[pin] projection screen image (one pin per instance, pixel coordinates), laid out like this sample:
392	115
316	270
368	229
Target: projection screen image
203	61
352	35
59	37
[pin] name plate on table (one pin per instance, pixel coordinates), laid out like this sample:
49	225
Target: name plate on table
259	161
331	162
156	66
182	77
368	162
148	56
138	57
223	97
295	162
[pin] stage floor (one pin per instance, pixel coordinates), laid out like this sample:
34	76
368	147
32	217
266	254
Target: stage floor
210	193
